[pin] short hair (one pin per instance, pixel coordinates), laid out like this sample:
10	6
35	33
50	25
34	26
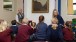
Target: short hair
34	23
67	24
25	21
41	18
13	22
4	24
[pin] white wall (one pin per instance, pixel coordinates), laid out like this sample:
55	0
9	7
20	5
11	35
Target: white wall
34	16
57	4
64	11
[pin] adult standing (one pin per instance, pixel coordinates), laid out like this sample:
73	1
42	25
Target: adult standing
60	19
19	16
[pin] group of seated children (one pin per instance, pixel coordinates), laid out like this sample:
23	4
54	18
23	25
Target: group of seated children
40	32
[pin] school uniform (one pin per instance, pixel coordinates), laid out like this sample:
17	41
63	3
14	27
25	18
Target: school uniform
5	36
24	32
54	35
68	35
14	29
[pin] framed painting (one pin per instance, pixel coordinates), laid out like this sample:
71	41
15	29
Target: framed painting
40	6
7	5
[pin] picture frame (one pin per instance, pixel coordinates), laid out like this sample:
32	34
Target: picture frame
7	5
40	6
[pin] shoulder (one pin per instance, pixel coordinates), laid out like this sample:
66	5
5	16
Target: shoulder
45	24
13	26
16	15
8	29
49	26
59	16
20	26
42	24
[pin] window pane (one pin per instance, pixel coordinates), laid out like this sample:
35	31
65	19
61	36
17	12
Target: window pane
74	1
74	9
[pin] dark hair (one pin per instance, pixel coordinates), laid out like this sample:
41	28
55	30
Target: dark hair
30	23
67	24
34	24
41	18
13	22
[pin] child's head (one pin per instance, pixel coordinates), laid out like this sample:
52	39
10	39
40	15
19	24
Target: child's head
3	26
67	24
13	22
25	21
54	20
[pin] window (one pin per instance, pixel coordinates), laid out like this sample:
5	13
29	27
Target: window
7	5
74	6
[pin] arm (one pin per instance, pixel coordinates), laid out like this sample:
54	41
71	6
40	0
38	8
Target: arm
60	19
31	30
17	20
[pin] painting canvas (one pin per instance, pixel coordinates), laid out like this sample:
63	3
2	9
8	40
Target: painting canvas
7	4
71	7
40	6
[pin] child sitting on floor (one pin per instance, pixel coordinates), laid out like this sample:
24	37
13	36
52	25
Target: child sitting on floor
14	28
67	32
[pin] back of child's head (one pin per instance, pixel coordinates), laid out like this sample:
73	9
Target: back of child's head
3	25
13	22
67	24
54	20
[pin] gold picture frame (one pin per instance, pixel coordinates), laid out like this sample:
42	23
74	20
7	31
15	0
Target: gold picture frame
7	5
40	6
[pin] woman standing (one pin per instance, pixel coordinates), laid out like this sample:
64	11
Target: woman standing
60	19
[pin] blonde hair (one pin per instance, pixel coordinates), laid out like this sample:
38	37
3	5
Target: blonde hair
54	20
55	10
25	20
3	26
